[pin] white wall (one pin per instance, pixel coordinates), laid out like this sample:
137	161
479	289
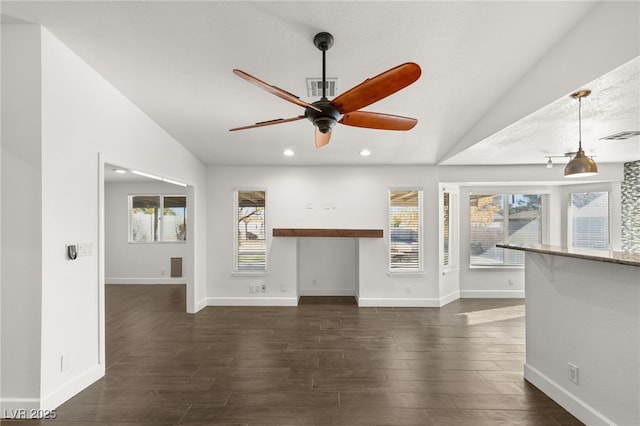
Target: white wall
84	122
21	224
137	263
360	195
327	266
586	313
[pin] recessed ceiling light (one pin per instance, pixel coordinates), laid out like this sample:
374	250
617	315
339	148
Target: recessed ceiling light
288	152
121	171
365	152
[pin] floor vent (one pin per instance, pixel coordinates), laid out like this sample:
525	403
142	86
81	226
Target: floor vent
314	87
621	135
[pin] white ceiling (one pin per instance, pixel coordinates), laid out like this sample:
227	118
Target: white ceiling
175	61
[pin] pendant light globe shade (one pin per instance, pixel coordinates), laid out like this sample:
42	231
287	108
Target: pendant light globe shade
580	166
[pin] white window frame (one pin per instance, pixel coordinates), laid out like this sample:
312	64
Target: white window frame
160	218
419	270
236	268
570	219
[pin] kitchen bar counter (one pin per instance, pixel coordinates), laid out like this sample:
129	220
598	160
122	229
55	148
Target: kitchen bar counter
619	257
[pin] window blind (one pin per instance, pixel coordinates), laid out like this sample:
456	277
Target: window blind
589	220
405	230
445	228
250	221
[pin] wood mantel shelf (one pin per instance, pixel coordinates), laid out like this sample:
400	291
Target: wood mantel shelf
340	233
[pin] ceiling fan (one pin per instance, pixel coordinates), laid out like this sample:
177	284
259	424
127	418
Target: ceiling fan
344	109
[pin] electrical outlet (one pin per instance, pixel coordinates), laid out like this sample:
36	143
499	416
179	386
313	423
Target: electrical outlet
510	282
252	288
163	272
409	289
85	249
573	373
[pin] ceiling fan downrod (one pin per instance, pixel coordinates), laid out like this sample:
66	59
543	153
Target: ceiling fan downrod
328	116
323	41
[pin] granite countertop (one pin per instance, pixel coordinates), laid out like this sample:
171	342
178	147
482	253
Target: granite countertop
618	257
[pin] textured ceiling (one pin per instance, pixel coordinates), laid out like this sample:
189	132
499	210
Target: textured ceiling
175	60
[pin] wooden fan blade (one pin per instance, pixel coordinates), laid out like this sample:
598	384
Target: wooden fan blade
269	123
378	87
322	138
376	120
283	94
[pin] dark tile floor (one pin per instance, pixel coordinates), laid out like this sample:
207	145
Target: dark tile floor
325	362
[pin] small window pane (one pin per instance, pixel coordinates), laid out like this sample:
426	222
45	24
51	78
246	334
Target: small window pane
525	228
251	249
589	220
144	218
486	214
445	228
404	230
503	218
174	225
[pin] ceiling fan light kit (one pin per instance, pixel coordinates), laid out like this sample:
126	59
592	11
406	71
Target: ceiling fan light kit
580	165
345	108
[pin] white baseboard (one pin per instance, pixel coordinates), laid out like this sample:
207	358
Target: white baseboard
375	302
72	388
492	294
445	300
327	292
18	408
200	304
252	301
26	408
164	280
580	409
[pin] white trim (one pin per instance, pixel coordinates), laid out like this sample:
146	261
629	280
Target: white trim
492	294
252	301
18	408
327	292
72	388
406	273
151	280
580	409
256	273
451	297
377	302
201	304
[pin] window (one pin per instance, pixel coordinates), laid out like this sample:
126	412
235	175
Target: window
157	218
588	220
405	230
250	247
503	218
446	229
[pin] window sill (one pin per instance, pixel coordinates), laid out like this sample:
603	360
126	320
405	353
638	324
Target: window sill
406	274
156	242
494	267
249	273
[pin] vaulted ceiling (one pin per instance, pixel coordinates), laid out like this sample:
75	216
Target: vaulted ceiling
494	87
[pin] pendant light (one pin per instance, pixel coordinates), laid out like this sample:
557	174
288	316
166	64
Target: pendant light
581	165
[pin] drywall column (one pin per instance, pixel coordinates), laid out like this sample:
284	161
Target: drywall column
587	313
21	220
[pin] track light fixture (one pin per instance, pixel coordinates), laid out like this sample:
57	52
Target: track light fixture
580	165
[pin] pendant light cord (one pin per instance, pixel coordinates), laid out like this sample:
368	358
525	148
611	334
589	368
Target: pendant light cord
579	123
